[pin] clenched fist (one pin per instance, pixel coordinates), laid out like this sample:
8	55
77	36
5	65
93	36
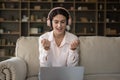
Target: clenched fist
74	44
46	44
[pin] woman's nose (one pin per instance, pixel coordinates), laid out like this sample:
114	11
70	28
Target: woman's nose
59	24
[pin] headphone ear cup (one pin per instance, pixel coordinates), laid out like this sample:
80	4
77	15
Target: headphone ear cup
48	22
68	28
69	21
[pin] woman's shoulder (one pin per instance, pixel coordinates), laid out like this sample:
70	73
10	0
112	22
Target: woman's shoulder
45	35
71	35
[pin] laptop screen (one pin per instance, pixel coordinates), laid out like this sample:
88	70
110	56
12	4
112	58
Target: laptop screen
61	73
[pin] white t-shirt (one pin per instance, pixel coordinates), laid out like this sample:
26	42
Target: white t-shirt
58	56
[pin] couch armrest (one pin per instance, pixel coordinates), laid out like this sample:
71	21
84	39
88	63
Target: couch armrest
13	69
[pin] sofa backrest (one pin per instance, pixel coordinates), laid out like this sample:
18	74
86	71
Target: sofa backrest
27	49
100	55
97	54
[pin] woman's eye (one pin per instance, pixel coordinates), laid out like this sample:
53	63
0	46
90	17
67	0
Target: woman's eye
56	22
62	21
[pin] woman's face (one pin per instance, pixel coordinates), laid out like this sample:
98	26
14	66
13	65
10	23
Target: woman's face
59	24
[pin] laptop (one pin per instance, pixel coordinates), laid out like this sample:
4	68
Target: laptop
61	73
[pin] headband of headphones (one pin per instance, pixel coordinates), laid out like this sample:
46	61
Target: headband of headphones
48	19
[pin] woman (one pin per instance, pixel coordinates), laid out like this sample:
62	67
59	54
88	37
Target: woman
58	47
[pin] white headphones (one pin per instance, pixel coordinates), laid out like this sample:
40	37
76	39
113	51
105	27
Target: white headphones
69	20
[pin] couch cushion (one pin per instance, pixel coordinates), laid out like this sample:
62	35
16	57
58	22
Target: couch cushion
27	49
102	77
100	54
33	78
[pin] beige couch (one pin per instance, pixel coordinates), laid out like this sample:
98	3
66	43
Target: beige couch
99	55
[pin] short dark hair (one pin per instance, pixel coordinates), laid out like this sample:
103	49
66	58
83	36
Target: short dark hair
56	12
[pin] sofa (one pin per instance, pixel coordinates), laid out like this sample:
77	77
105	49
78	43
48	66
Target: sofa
99	55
